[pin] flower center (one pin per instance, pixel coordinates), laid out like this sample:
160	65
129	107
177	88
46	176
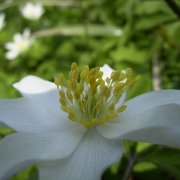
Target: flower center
22	45
90	100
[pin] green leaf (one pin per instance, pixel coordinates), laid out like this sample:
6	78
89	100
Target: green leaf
142	86
28	174
131	54
155	20
152	7
167	160
144	166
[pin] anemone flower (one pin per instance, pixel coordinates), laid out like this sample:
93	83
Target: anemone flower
20	44
75	130
32	11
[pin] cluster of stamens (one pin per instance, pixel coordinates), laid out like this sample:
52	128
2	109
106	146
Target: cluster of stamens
89	99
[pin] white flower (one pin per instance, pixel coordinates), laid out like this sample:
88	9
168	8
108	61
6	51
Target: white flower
21	43
2	20
85	144
32	11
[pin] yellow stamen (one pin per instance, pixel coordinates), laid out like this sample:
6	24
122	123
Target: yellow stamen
90	100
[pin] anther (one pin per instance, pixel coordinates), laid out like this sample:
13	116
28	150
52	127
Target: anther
90	100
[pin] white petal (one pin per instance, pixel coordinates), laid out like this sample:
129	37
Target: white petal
25	115
149	100
39	10
138	105
9	45
34	85
32	11
107	70
40	90
93	155
17	37
2	16
18	151
159	125
10	55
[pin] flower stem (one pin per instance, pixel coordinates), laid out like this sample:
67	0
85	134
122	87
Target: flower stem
129	167
174	7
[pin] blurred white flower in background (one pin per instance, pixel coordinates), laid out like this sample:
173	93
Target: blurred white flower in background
2	20
20	43
32	11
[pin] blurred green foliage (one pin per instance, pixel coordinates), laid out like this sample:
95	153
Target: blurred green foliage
88	34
